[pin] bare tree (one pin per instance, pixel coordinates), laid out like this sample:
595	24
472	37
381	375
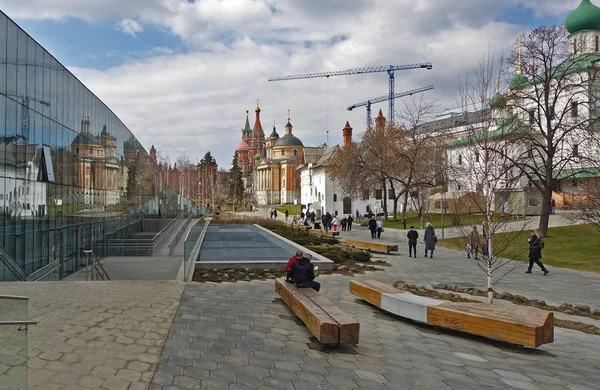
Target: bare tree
483	177
558	102
587	206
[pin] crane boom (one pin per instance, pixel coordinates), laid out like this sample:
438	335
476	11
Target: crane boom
370	69
387	97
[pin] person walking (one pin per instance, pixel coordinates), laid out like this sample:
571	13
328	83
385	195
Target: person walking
271	214
535	252
379	226
372	227
474	239
334	223
412	236
553	206
303	273
286	214
344	223
350	220
275	213
430	239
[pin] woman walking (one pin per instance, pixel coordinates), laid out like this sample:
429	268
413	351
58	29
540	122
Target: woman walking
535	252
430	239
379	227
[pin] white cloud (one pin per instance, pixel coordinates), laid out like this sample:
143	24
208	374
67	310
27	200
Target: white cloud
130	27
196	101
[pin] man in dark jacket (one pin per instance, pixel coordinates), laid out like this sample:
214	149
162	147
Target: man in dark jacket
350	220
373	226
535	252
412	236
303	274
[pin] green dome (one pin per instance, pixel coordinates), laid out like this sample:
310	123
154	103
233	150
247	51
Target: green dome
498	101
518	81
584	17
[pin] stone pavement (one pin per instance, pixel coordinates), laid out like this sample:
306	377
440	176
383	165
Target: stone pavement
95	335
242	336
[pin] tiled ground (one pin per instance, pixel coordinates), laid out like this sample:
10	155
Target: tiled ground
241	336
95	335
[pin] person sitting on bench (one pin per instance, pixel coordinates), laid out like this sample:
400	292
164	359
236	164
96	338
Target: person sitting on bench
303	274
290	264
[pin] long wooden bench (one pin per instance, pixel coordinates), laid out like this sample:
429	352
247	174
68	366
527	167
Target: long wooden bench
328	323
372	246
518	325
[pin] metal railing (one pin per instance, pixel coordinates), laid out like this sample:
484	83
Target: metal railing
14	326
195	254
93	267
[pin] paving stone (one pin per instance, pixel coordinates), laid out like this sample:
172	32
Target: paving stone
196	372
250	380
212	384
277	383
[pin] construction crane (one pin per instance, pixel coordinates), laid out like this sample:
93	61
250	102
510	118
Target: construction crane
383	99
390	69
25	99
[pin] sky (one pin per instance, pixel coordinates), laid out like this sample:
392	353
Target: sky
181	74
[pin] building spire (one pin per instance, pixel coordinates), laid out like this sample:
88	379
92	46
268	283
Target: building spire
520	63
288	115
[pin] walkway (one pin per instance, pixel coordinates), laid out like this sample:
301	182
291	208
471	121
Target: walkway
161	266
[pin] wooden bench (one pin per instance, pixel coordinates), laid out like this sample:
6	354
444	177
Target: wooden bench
518	325
328	323
372	246
327	233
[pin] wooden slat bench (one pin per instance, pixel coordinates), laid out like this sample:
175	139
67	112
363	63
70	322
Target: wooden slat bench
327	322
327	233
518	325
372	246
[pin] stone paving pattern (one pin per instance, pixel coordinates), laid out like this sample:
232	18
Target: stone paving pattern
95	335
242	336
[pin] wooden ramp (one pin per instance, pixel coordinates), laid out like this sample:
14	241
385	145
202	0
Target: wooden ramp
327	322
372	246
518	325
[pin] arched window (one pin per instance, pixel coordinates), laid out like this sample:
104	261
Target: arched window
283	183
295	152
283	152
460	159
335	197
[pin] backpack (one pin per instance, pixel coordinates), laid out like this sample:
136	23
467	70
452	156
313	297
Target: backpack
541	244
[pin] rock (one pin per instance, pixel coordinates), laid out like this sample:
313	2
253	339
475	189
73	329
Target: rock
247	278
539	302
569	311
342	267
583	309
205	276
226	276
214	270
504	295
596	313
565	306
442	286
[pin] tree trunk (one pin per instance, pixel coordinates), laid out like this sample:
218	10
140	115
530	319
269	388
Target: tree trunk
546	208
489	272
385	214
404	207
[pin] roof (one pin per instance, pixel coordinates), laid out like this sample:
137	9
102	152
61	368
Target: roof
510	126
327	156
242	146
467	118
86	139
289	140
312	154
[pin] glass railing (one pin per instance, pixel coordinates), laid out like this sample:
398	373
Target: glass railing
14	325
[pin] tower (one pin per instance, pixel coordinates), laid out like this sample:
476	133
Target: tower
258	135
85	124
380	122
584	26
347	134
153	153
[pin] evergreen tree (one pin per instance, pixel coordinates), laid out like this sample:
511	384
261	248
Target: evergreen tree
236	185
207	168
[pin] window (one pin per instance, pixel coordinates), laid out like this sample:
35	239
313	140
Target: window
283	183
596	43
476	156
283	152
295	152
576	150
531	117
378	194
391	193
335	197
574	109
365	194
460	159
533	202
91	150
574	45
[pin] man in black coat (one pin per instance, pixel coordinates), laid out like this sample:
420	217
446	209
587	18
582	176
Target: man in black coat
412	236
535	252
303	273
350	220
373	226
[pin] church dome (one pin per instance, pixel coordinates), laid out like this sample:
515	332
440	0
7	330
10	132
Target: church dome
289	140
584	17
518	81
274	133
242	146
498	101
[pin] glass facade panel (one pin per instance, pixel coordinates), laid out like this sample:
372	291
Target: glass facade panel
104	178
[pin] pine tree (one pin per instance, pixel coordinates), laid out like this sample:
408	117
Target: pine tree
236	185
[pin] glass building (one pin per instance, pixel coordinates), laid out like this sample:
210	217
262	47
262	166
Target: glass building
72	175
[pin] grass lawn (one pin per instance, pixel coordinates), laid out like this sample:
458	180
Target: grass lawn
576	247
293	209
436	220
